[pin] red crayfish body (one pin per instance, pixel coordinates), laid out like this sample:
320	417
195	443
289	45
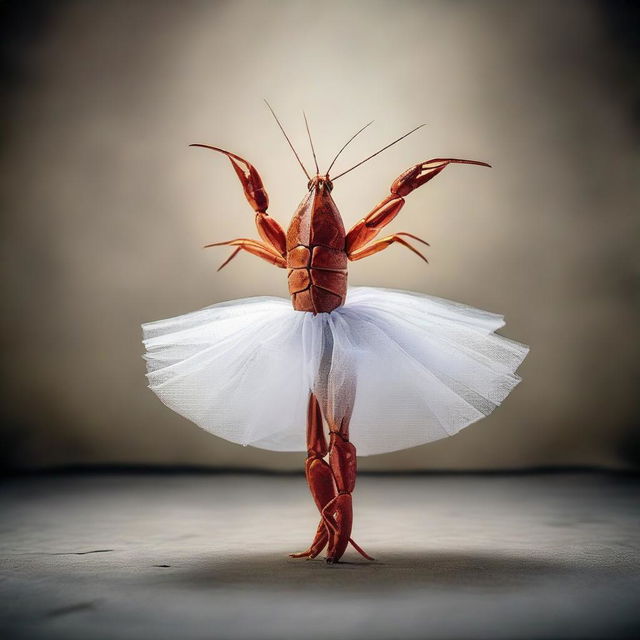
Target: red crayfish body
316	253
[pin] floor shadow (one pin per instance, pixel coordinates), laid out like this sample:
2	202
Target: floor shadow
429	569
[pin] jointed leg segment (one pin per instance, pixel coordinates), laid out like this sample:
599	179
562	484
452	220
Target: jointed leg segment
254	247
272	234
364	231
331	485
383	243
319	476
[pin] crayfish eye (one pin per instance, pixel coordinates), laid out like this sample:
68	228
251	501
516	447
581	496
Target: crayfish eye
309	184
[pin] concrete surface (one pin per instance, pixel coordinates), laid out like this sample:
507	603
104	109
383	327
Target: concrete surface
204	556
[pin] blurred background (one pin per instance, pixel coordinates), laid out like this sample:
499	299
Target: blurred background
105	209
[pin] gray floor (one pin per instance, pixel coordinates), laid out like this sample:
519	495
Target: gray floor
204	556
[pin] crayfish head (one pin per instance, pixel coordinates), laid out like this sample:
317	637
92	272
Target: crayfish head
320	183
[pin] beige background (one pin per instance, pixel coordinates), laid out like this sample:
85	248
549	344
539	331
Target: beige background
105	208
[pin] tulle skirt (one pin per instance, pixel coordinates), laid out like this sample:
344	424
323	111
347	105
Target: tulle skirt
406	368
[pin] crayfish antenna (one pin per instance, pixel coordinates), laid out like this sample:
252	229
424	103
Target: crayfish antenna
373	155
273	113
346	144
313	151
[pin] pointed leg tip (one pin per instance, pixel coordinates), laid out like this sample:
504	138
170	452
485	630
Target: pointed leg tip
309	554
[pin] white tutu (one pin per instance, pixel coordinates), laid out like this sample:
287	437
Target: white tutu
410	368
